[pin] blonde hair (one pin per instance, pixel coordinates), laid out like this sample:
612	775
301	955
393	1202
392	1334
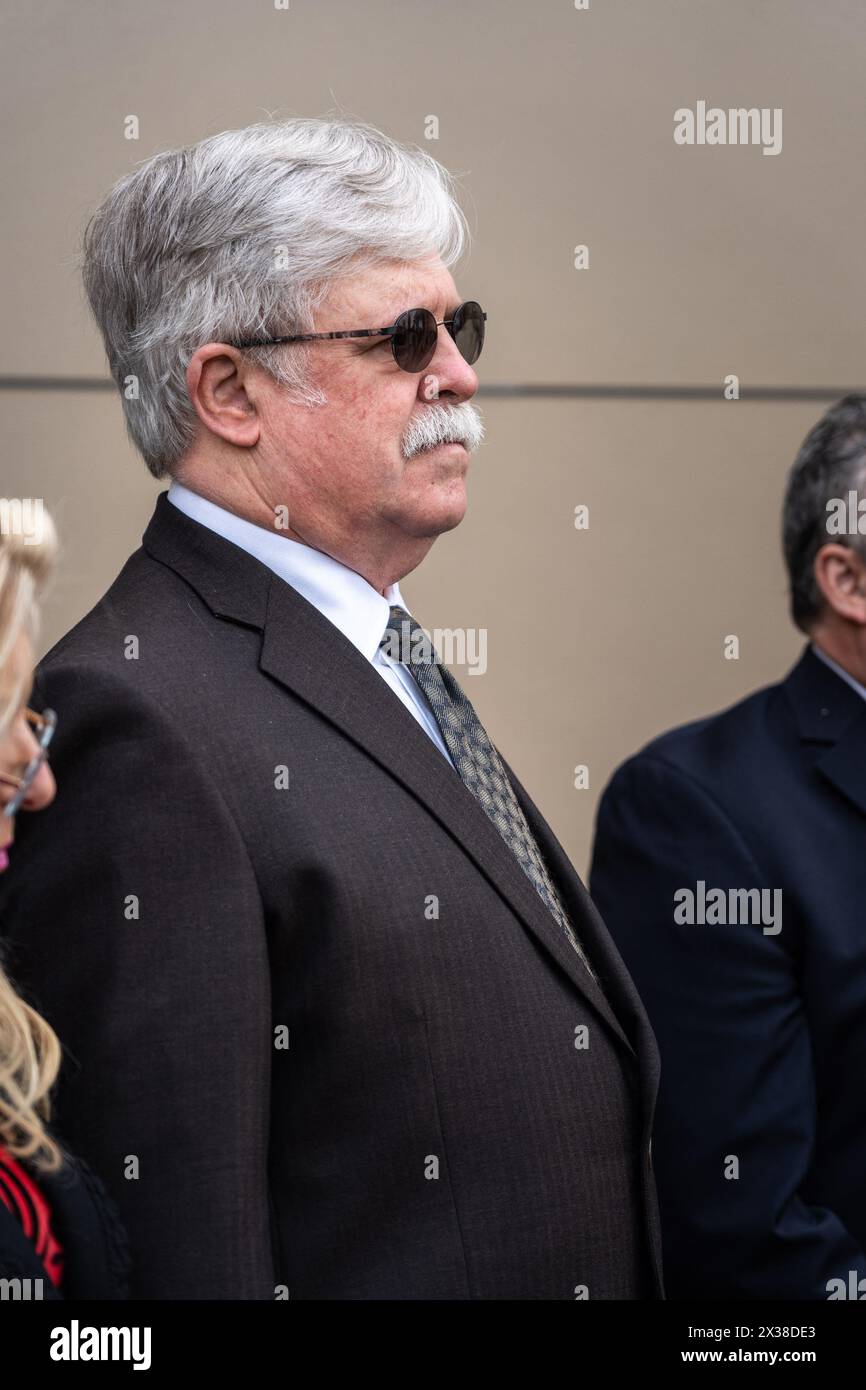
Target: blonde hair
29	1048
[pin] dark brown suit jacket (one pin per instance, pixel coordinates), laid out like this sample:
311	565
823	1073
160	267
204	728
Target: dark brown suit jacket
430	1131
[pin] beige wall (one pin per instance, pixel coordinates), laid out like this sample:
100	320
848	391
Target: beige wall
703	262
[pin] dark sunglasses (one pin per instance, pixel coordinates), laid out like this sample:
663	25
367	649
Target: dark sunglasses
413	335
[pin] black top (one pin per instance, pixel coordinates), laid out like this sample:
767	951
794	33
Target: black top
87	1224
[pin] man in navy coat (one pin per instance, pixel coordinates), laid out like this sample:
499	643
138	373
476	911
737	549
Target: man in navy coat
730	868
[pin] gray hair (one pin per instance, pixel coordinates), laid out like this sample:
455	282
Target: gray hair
830	464
240	236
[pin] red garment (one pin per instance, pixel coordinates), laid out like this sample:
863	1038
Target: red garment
23	1198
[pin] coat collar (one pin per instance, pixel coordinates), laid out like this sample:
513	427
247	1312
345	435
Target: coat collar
830	715
305	652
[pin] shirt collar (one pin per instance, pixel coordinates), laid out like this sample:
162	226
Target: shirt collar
840	671
341	595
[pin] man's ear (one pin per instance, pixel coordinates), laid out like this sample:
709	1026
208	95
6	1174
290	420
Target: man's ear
218	379
840	574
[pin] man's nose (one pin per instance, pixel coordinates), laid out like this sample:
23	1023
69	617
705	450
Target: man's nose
455	376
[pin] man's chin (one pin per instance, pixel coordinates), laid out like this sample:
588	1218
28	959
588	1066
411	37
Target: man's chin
449	520
433	525
432	518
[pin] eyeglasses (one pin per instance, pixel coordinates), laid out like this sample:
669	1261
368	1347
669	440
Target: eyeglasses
413	335
45	724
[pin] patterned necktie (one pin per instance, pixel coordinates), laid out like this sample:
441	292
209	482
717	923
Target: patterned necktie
475	757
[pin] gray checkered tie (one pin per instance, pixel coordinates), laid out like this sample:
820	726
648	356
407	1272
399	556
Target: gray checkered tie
475	757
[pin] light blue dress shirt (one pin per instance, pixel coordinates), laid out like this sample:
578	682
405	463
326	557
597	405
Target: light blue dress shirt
840	671
341	595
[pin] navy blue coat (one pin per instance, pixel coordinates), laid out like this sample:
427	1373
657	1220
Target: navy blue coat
762	1033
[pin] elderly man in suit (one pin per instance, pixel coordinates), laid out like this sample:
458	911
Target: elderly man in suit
729	865
342	1020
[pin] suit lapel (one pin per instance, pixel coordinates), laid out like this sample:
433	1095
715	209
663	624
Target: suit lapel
845	764
618	987
830	714
310	656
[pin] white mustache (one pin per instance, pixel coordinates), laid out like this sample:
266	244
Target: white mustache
444	424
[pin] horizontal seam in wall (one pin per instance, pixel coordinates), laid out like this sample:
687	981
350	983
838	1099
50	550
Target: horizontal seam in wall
517	390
